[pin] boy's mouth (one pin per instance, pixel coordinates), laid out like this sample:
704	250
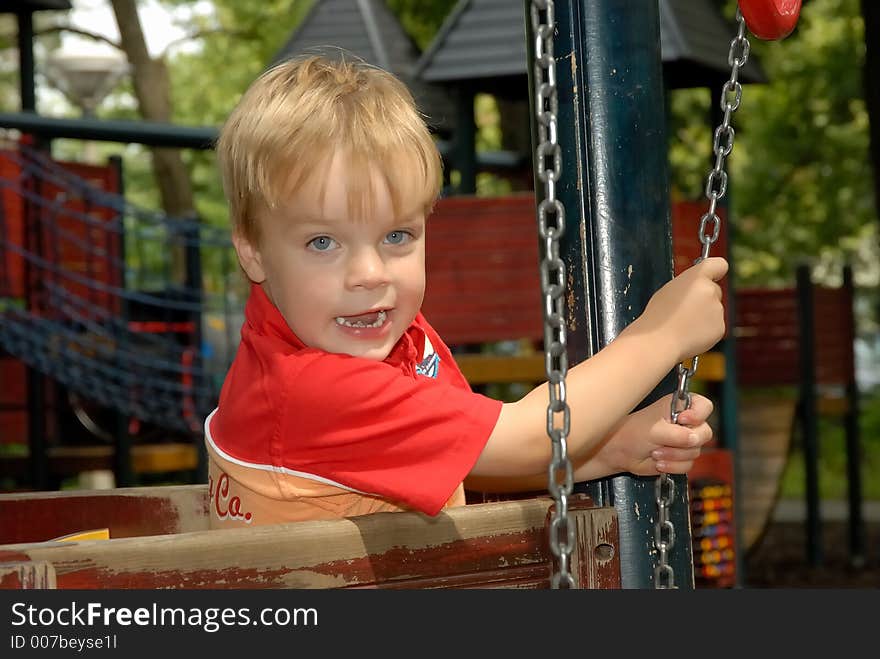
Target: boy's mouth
372	319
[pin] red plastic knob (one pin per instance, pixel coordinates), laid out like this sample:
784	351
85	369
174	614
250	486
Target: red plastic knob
770	19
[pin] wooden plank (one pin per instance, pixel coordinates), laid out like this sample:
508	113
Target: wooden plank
596	562
483	545
127	512
27	576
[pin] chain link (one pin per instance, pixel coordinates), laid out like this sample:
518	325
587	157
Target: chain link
551	226
710	227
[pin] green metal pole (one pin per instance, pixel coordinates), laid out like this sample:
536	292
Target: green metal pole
466	142
617	242
809	412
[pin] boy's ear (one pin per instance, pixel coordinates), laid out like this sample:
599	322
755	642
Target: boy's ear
249	258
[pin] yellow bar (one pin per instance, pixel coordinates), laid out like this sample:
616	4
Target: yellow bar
486	369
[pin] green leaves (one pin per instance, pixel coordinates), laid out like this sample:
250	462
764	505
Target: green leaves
800	180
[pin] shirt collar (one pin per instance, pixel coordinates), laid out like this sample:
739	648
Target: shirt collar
264	318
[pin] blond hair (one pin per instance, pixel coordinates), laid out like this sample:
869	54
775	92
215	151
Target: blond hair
294	117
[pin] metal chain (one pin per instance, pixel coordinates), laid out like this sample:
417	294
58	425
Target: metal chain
551	226
710	227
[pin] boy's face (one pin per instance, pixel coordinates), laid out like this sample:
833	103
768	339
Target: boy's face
344	284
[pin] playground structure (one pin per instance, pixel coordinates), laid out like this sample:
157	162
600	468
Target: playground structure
478	371
92	300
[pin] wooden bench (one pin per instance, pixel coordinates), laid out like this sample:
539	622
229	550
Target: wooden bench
159	539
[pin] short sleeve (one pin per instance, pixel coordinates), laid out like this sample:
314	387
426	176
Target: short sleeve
376	429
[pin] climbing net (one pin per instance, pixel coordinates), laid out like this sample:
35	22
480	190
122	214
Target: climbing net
109	298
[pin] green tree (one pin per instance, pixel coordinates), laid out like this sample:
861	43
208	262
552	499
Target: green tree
9	91
801	189
422	18
225	50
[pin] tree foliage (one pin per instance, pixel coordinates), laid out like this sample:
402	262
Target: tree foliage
8	64
422	18
10	90
801	190
227	49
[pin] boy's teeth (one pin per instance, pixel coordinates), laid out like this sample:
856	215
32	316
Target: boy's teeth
378	322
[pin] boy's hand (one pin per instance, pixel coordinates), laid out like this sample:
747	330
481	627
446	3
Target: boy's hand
647	442
686	313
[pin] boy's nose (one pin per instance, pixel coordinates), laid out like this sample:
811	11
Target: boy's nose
366	269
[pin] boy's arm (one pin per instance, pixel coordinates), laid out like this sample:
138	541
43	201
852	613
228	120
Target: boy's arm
685	317
645	443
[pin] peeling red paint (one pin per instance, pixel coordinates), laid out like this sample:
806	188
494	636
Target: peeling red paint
7	556
38	520
92	578
477	554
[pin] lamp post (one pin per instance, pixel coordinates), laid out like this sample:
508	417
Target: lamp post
86	79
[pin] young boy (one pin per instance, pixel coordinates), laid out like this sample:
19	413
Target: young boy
342	400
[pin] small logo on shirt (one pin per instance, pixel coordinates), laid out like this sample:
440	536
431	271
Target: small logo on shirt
226	507
430	366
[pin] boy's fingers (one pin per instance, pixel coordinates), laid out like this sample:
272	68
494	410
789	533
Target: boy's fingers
700	410
669	454
686	437
675	467
714	267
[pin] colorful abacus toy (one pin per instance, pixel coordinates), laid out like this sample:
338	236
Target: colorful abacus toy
713	536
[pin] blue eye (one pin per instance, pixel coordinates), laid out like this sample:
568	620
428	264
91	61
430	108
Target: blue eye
322	243
398	237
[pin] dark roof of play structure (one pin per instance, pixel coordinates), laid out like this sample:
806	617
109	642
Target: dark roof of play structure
18	6
483	40
368	29
694	43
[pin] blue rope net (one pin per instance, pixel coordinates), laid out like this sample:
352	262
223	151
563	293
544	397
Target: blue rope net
110	299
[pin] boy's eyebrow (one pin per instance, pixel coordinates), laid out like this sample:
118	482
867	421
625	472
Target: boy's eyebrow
319	220
316	219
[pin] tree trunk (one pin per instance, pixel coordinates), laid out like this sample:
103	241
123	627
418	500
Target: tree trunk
152	87
871	16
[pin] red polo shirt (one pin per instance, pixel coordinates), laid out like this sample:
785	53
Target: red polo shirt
407	429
